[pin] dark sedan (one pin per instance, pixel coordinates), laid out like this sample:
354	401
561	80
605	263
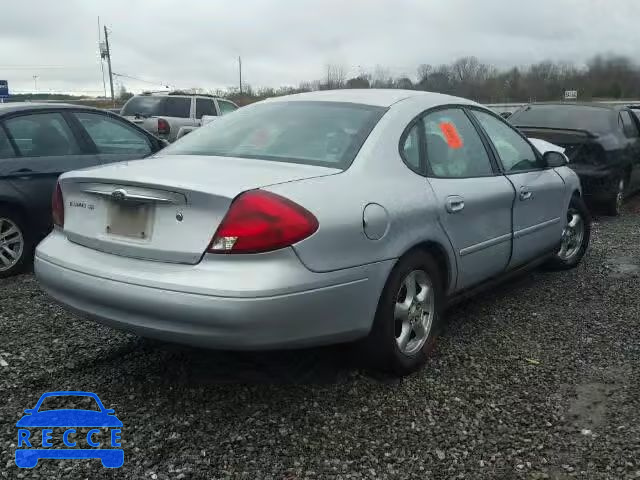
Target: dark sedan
38	142
601	142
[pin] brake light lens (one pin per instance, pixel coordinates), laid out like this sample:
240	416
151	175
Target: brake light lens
57	206
163	127
260	221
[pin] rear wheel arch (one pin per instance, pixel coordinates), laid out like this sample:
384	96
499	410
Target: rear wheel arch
15	207
439	254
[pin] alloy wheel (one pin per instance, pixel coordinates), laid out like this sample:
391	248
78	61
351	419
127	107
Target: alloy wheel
620	196
572	235
414	312
11	244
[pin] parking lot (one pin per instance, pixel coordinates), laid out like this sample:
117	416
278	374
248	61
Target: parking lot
536	379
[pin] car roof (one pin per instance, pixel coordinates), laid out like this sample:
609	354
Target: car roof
372	96
577	104
12	107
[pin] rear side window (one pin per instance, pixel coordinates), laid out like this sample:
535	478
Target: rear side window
157	106
411	147
314	133
112	136
177	107
42	135
628	125
6	150
454	148
226	107
514	152
204	107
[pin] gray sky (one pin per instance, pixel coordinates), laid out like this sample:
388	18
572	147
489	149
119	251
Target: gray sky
282	42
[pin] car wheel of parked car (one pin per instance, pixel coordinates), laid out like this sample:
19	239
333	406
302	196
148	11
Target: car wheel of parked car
575	236
614	205
14	244
407	321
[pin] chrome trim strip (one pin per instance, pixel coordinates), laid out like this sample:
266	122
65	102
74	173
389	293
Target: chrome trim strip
131	197
486	244
535	228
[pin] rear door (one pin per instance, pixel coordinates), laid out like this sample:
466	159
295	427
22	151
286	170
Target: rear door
180	112
47	147
475	200
539	208
113	139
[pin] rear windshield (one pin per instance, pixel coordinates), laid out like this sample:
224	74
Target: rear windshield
314	133
574	117
148	106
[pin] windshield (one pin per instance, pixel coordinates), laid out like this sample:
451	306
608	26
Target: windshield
575	117
315	133
65	402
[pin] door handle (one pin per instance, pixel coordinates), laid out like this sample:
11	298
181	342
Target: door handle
23	173
525	194
454	204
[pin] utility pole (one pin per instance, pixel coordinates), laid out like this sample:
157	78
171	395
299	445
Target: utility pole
104	84
106	41
240	71
35	83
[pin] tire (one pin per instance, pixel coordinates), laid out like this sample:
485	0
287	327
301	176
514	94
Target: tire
422	321
575	240
613	206
14	237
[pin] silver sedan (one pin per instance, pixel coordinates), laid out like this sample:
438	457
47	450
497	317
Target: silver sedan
312	219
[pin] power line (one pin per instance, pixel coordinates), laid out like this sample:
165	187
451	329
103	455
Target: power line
140	79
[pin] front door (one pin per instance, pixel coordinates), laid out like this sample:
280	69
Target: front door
474	200
539	207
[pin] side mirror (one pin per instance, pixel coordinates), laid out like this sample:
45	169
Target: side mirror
29	411
109	411
555	159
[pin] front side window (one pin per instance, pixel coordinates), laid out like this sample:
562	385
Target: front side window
111	136
226	107
514	152
42	135
314	133
204	106
454	148
6	150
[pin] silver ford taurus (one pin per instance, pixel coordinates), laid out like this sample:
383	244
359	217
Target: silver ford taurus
310	219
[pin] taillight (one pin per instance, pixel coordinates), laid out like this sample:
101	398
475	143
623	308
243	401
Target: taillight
57	207
260	221
163	127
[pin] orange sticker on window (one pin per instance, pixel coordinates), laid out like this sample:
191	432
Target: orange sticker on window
451	135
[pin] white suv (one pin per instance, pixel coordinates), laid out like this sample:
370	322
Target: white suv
164	114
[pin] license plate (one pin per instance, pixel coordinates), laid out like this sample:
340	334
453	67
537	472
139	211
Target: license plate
132	220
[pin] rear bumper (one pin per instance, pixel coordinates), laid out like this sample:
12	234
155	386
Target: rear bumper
256	302
598	185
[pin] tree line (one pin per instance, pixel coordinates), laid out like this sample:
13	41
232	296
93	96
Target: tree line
603	77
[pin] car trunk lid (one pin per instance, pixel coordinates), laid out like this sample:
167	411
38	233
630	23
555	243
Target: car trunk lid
164	208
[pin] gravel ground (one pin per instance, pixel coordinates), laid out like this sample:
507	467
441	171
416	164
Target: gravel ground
537	379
